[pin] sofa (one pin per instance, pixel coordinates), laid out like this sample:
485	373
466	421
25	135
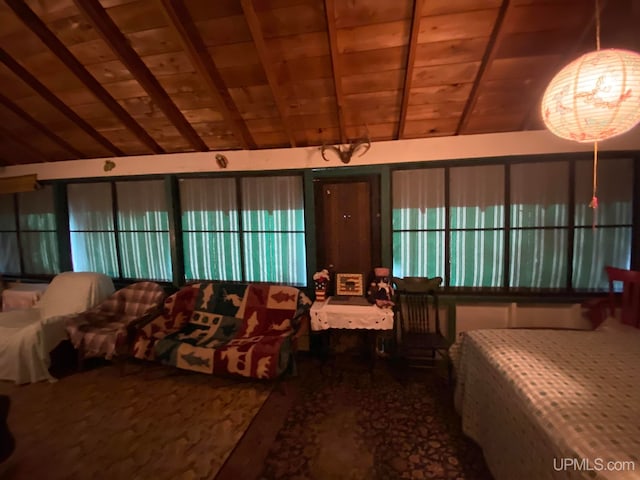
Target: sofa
248	330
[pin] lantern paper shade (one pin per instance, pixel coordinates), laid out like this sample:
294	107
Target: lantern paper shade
595	97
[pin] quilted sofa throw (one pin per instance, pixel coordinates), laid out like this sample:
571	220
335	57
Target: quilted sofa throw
238	329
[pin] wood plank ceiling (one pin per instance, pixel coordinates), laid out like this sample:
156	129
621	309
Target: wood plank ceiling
100	78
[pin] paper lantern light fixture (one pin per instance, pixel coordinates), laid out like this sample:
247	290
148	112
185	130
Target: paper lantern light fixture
595	97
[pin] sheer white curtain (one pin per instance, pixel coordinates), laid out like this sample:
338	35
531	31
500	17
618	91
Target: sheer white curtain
93	240
143	230
210	229
9	251
418	217
37	220
273	229
609	243
477	223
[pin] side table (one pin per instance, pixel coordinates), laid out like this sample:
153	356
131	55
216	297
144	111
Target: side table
369	319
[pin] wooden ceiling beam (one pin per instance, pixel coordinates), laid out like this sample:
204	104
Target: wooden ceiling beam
45	93
40	29
330	9
182	22
487	60
40	127
119	44
408	76
23	145
268	65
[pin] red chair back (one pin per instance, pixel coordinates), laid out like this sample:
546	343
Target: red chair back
630	299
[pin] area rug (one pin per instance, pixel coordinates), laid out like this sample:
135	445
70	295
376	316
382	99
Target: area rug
98	424
354	424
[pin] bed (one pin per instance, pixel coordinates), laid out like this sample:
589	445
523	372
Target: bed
28	336
547	404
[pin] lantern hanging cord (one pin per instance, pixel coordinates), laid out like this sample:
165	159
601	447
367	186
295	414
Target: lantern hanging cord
597	25
594	197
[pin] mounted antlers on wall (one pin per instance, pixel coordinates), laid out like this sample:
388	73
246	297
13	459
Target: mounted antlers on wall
346	153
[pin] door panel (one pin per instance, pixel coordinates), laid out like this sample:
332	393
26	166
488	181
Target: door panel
348	230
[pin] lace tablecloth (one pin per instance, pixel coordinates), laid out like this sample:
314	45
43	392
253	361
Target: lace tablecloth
324	316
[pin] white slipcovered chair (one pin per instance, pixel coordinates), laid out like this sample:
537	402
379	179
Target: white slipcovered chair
28	336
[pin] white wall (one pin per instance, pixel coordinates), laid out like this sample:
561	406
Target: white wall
398	151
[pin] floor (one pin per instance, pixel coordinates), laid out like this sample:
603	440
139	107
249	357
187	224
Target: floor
336	420
344	420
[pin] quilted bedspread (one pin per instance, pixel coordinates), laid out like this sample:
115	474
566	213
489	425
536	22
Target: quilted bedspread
249	334
534	398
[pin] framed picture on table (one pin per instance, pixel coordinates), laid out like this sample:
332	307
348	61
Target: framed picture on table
349	284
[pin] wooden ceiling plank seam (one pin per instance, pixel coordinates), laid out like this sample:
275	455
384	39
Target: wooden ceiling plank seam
255	29
487	59
53	100
116	40
411	57
40	127
40	29
24	145
570	55
329	6
182	22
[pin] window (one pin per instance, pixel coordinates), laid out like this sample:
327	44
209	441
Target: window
547	236
128	238
143	230
273	229
37	232
210	228
477	226
257	235
92	228
418	219
539	225
609	243
10	252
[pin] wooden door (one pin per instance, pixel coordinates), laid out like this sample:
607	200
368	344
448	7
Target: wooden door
348	224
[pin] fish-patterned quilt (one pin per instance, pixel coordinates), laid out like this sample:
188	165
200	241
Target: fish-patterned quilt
553	404
237	329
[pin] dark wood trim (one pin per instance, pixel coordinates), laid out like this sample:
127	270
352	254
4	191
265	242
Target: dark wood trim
119	44
506	267
487	60
116	228
447	226
386	217
45	93
243	267
267	63
63	232
329	7
40	127
176	241
311	246
408	76
39	28
635	230
572	223
182	22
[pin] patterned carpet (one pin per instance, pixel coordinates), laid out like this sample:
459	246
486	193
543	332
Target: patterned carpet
349	424
145	425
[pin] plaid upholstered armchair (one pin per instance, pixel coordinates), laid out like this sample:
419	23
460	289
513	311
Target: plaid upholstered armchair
108	329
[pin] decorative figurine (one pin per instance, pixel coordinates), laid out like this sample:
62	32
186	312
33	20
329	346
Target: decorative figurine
321	282
380	290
